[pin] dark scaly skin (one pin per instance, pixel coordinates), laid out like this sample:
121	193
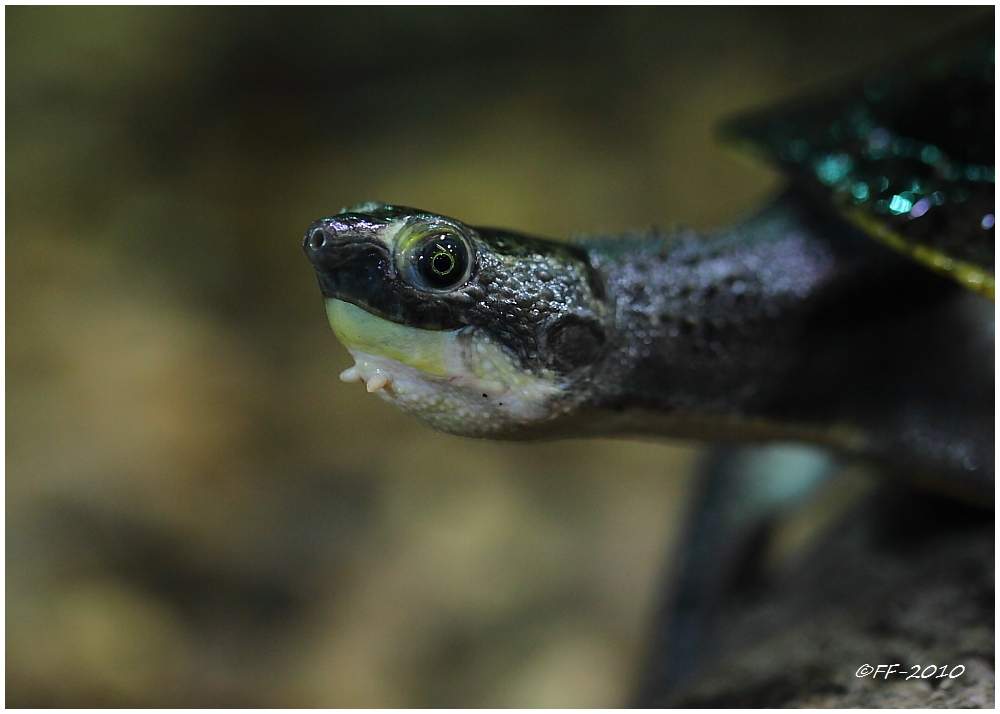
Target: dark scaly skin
792	325
518	282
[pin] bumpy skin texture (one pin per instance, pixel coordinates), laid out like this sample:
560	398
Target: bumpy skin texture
819	319
519	286
704	325
790	325
794	325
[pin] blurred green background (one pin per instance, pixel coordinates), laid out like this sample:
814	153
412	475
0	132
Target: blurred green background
198	512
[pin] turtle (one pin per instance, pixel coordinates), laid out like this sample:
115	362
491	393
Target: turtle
853	312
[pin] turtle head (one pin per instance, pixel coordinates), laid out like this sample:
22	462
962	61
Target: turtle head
474	331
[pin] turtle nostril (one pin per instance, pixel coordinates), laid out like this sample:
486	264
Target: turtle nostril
316	239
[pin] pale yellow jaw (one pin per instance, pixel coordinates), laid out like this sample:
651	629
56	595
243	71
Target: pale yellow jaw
357	329
458	381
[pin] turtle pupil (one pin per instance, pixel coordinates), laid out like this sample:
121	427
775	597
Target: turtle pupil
442	262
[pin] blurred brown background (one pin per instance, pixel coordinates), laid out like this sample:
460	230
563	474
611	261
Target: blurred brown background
198	511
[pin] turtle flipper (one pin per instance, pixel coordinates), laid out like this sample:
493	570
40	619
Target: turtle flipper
899	578
739	493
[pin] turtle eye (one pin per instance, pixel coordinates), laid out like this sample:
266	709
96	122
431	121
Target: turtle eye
442	262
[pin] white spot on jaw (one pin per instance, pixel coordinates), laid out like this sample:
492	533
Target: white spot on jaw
456	404
374	381
457	381
377	381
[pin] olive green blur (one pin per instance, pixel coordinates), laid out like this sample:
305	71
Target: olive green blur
198	512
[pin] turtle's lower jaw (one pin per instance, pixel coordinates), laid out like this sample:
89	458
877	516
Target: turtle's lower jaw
456	381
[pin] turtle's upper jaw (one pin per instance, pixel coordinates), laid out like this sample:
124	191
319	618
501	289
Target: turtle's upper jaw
353	257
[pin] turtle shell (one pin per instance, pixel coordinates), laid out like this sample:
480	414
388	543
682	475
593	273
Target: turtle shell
906	153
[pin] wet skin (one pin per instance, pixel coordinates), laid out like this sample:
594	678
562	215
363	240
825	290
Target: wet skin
790	325
854	312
